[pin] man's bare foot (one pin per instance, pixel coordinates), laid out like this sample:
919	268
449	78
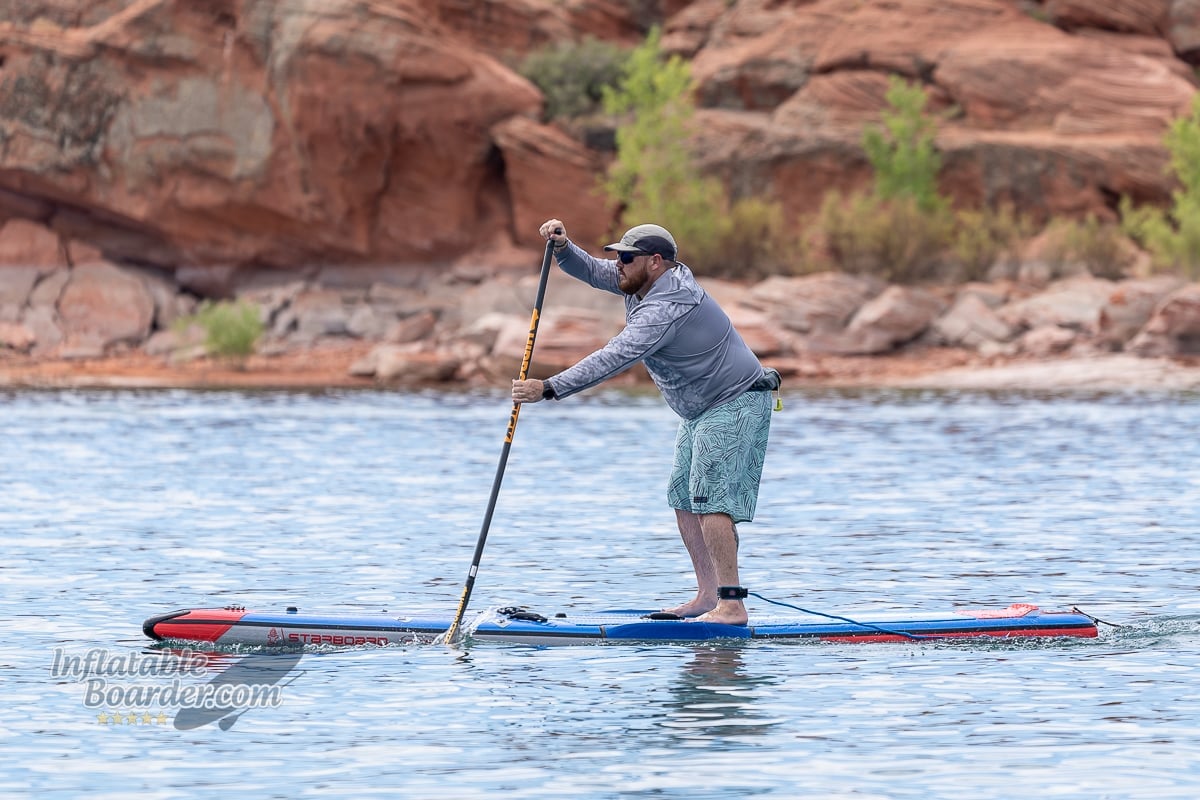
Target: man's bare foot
690	609
727	612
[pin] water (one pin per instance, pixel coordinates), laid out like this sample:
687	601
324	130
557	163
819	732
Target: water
118	506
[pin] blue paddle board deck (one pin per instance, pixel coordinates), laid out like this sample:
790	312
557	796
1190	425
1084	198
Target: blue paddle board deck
235	625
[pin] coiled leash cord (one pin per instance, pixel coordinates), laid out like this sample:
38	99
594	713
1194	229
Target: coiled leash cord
916	637
1097	620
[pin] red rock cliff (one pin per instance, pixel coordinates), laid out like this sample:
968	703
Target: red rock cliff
178	133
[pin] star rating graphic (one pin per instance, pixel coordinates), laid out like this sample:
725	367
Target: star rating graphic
131	718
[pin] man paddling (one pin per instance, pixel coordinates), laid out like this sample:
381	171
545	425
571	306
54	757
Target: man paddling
707	375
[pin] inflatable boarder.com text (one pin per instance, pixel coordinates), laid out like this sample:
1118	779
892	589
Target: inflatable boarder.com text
130	686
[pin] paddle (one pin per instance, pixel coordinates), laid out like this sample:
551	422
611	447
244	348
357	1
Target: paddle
452	633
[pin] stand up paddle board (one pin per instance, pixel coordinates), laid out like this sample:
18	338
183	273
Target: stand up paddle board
235	625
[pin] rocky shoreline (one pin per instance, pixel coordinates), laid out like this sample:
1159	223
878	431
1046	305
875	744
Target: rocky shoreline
76	319
103	325
326	367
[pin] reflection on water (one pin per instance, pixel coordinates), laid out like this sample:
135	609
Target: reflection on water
715	694
120	506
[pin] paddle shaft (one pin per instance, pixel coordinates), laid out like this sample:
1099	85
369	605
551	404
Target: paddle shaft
452	632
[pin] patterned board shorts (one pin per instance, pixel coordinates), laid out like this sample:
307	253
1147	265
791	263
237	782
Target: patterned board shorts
719	458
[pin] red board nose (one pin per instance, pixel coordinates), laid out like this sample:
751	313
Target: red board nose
201	625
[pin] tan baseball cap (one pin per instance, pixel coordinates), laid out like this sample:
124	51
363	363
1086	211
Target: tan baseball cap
647	239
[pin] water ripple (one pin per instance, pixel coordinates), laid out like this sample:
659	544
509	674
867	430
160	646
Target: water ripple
119	505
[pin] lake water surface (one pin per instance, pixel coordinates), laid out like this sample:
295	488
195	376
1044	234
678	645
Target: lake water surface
121	505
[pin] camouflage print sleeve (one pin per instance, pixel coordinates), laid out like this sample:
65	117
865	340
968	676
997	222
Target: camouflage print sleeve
649	327
589	269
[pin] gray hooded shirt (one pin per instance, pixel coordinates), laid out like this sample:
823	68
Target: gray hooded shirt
689	346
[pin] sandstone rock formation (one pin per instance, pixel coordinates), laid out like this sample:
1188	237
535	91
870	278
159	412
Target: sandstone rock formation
366	170
1175	326
254	132
229	135
1053	119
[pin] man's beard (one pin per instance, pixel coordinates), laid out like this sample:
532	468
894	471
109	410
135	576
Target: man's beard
627	284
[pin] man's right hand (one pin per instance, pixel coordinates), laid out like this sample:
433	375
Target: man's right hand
528	391
554	229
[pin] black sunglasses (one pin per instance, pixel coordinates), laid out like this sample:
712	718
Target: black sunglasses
628	257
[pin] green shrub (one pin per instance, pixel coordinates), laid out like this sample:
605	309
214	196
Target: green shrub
905	161
1173	237
982	238
752	242
573	75
655	178
902	230
1098	247
231	329
893	239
